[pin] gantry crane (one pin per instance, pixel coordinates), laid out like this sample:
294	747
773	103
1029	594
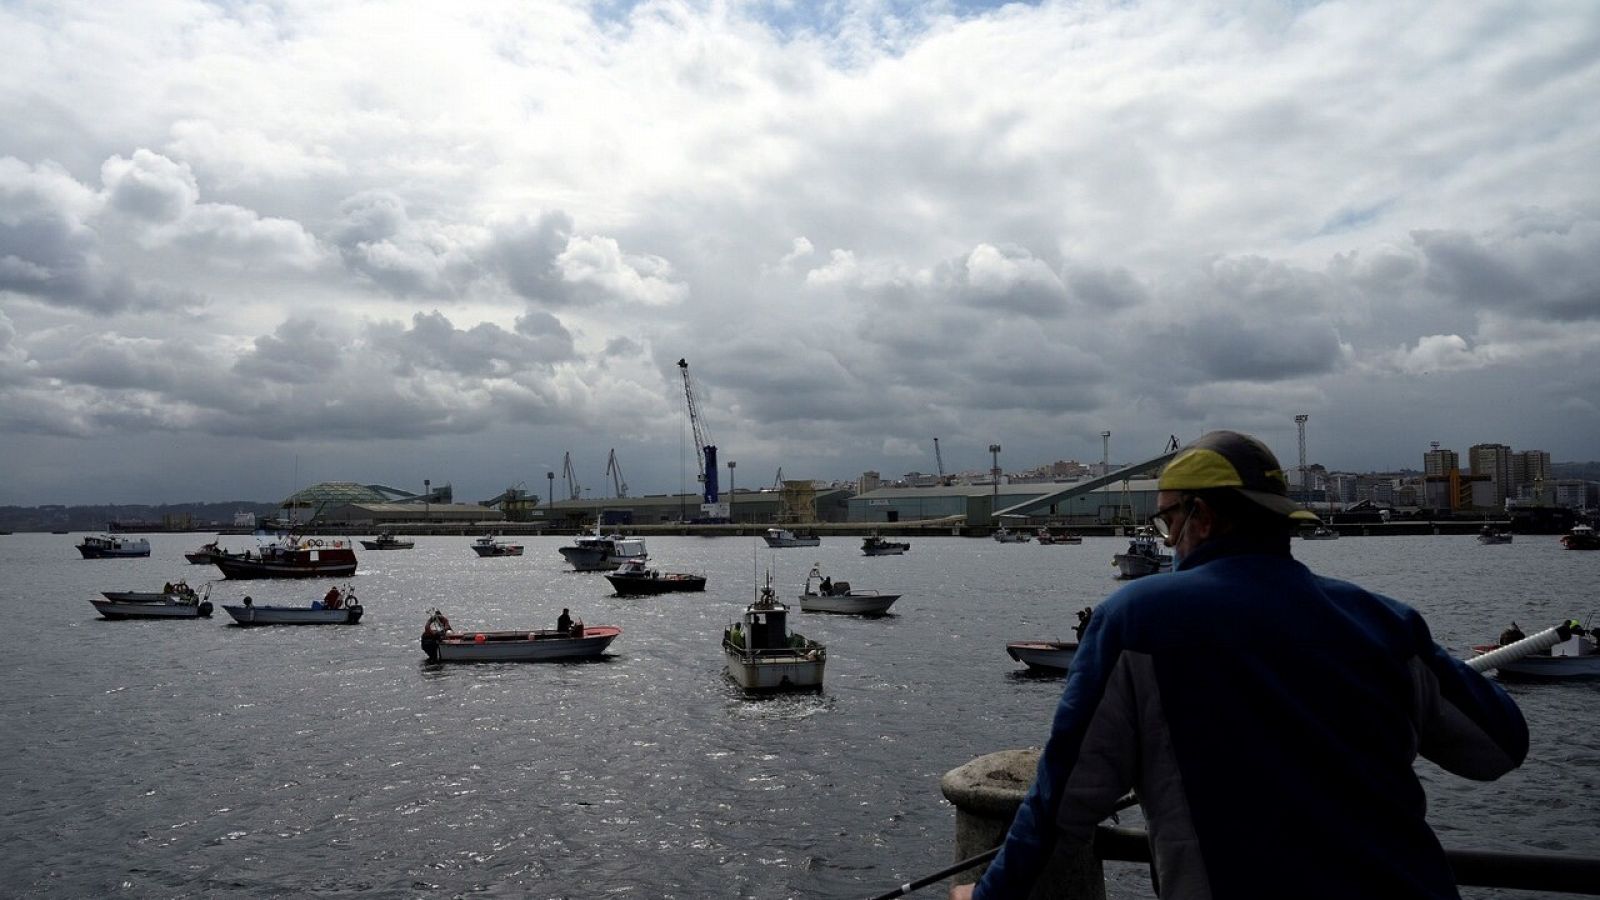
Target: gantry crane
706	450
614	472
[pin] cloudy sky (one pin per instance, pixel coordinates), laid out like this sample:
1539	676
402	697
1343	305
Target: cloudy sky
245	246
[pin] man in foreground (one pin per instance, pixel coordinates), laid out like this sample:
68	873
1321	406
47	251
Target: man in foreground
1267	717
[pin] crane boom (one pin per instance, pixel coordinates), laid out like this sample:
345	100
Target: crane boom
938	458
571	475
706	450
614	472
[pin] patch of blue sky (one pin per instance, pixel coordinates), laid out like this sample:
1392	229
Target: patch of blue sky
795	18
1351	219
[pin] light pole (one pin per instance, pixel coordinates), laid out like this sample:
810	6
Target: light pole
731	464
551	477
994	476
427	498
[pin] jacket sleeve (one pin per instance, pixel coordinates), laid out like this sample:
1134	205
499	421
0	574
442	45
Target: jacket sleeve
1090	782
1465	722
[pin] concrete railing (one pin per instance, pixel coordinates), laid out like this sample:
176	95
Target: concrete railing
987	791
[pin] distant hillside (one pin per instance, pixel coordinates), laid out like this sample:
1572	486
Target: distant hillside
1588	471
197	516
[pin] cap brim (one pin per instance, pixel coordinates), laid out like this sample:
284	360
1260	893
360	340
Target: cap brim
1281	505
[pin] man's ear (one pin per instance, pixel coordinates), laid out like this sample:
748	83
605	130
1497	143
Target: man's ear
1202	519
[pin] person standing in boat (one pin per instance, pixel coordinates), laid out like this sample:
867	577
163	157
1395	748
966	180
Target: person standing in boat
564	621
331	599
1267	717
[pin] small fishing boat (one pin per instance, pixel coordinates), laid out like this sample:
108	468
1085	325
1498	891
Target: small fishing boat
764	655
602	552
1046	536
1581	537
1319	533
1492	535
444	644
873	545
783	537
293	556
1144	557
635	579
335	608
112	546
489	545
1005	535
387	541
1050	657
175	601
823	594
1576	657
205	554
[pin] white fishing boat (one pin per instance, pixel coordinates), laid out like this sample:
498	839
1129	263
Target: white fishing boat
1145	556
764	656
1047	537
175	601
1319	533
1581	537
1005	535
783	537
602	552
873	545
1043	656
345	610
1574	658
444	644
488	545
823	594
112	546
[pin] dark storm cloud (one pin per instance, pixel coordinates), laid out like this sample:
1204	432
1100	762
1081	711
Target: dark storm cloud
525	253
1546	269
433	343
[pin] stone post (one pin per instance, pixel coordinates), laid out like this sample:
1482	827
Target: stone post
986	793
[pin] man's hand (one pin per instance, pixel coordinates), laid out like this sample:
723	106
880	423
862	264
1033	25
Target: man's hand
961	891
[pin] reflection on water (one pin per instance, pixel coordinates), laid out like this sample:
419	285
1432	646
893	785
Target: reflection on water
192	759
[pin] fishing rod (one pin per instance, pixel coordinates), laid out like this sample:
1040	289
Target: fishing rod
1494	659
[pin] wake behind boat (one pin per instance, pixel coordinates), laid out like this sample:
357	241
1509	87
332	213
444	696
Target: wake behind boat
335	608
636	579
443	643
175	601
823	594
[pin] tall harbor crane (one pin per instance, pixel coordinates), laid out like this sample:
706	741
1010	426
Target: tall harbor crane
706	450
614	472
938	459
571	476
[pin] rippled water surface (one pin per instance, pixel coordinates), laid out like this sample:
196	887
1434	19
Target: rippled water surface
196	758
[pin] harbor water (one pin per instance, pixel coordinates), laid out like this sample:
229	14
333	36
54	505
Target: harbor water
201	759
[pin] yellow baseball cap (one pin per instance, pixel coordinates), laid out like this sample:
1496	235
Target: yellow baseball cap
1228	459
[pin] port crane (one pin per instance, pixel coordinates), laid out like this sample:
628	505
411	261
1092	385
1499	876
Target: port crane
614	472
703	447
938	460
571	475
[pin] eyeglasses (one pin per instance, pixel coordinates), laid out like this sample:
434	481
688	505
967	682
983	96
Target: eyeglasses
1158	519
